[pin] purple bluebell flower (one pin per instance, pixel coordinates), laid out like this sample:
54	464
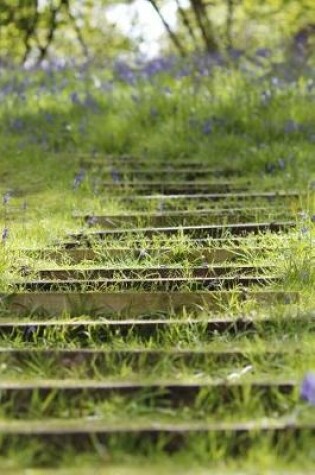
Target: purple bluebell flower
5	235
235	53
115	175
74	96
17	124
6	198
291	126
158	65
124	72
30	333
307	391
207	127
78	179
263	52
90	103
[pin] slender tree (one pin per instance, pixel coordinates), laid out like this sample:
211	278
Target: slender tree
173	36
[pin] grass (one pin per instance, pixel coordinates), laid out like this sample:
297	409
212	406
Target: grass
224	119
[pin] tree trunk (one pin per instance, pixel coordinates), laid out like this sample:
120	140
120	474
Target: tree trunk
204	24
186	22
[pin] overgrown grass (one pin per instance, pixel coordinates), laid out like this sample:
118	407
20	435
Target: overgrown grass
51	124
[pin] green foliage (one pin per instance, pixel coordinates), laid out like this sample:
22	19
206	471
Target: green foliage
246	24
60	28
67	28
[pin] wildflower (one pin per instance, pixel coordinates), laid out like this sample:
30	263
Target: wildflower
124	72
74	97
5	235
158	65
115	175
291	126
6	198
207	127
307	391
235	53
17	124
270	168
90	103
78	179
263	52
30	333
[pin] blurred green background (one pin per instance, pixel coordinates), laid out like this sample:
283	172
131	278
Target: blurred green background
34	30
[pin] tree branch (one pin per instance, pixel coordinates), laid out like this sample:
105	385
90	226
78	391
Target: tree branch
186	22
204	24
77	29
51	32
170	32
29	32
229	23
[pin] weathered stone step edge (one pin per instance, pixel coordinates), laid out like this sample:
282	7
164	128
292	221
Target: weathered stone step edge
171	284
212	231
144	327
168	271
209	255
272	196
188	218
85	428
176	394
136	303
